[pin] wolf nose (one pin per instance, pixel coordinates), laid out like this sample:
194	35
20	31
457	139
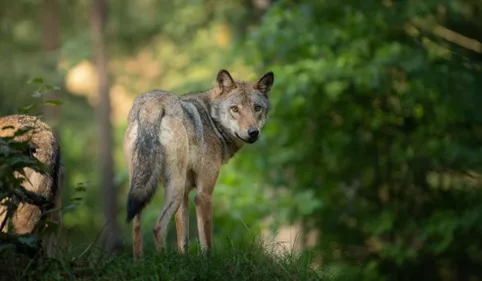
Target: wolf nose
253	132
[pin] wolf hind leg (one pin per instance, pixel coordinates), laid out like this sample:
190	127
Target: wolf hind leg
137	239
173	137
182	225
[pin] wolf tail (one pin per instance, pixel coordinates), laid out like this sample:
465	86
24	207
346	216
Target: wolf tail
146	164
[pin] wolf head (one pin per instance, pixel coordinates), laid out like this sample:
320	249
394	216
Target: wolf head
241	107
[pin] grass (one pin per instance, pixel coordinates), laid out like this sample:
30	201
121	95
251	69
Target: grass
245	260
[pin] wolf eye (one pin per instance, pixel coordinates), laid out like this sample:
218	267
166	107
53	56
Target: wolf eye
257	108
234	108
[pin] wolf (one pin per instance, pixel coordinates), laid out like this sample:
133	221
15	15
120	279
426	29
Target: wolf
182	142
45	146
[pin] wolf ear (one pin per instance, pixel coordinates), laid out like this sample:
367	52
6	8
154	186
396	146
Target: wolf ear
225	81
265	83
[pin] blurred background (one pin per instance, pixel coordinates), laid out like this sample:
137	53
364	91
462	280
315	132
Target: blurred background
371	158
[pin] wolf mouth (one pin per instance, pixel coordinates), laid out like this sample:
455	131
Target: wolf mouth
250	140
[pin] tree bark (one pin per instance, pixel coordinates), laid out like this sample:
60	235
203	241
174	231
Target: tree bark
49	17
109	198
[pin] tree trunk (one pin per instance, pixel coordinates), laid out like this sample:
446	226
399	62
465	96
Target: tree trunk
260	6
49	16
109	198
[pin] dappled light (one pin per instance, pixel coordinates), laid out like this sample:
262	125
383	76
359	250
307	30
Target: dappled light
366	165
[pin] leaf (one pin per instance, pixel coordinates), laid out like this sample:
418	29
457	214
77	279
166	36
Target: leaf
28	108
37	94
30	241
418	111
51	88
335	88
37	80
8	127
6	246
70	207
54	102
21	132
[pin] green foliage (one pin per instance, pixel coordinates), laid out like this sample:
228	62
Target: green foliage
373	140
15	157
364	113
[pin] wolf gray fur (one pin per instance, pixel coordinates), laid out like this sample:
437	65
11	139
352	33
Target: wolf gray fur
46	148
182	142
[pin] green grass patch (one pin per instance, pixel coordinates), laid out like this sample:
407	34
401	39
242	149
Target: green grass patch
244	260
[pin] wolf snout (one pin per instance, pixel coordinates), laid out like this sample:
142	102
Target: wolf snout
253	133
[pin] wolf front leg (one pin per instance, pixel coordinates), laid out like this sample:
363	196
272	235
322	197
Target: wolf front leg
204	214
204	210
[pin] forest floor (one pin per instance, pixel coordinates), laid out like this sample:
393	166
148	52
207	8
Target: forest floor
233	261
